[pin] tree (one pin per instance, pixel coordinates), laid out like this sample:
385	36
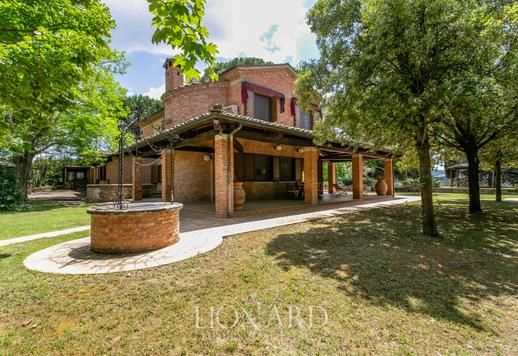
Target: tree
478	113
499	154
178	24
223	66
143	105
482	105
382	69
56	84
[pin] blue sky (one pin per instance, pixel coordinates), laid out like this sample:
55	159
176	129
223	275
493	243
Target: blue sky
275	30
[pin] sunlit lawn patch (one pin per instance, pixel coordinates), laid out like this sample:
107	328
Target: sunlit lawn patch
43	216
384	287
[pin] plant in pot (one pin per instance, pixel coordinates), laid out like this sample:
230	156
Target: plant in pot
239	195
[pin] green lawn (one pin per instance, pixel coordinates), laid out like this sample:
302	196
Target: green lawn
43	216
386	290
462	196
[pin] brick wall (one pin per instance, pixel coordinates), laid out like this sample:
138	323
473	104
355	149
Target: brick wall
222	178
112	170
193	100
192	177
280	79
265	148
311	164
152	124
122	233
150	127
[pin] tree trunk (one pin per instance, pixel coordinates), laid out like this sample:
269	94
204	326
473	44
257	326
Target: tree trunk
425	178
473	181
498	180
23	165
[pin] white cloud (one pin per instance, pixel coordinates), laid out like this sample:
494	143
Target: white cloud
236	26
155	92
240	26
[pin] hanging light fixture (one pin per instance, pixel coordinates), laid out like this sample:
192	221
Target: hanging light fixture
207	157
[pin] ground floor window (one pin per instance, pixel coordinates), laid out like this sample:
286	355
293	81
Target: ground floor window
102	173
286	169
260	168
252	167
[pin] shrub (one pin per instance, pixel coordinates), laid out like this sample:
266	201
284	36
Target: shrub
11	194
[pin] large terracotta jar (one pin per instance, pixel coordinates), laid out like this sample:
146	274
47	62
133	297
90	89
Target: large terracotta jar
381	186
239	195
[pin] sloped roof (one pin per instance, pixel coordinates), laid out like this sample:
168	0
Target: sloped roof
229	118
239	119
280	65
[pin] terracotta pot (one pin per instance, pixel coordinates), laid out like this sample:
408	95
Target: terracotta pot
381	186
239	195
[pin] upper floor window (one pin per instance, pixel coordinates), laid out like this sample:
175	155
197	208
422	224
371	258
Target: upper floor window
305	120
302	119
261	102
262	107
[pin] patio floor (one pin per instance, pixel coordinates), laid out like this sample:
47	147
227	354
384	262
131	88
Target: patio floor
275	205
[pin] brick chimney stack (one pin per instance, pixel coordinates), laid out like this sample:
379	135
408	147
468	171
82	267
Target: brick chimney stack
173	77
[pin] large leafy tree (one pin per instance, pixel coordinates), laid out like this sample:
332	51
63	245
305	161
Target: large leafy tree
383	67
178	24
220	67
56	83
482	101
143	105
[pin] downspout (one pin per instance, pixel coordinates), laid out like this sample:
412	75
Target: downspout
230	189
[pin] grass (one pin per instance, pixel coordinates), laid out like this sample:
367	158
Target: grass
463	196
386	290
43	216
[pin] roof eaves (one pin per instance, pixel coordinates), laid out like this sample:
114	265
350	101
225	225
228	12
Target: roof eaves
257	65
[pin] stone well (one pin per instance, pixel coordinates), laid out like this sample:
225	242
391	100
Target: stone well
141	227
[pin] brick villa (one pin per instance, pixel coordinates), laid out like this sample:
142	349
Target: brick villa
245	128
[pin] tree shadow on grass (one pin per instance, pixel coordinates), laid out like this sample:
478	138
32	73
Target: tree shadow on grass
381	256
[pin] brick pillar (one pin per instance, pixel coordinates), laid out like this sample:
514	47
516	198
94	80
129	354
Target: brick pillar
136	180
167	174
331	174
311	163
357	176
389	175
223	177
320	177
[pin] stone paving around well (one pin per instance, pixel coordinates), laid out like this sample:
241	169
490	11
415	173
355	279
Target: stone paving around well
75	257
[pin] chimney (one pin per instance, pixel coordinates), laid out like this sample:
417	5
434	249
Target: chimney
173	77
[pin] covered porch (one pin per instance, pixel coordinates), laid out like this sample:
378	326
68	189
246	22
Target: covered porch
278	166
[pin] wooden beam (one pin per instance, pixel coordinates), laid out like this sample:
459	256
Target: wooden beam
202	149
281	140
238	146
196	140
364	152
